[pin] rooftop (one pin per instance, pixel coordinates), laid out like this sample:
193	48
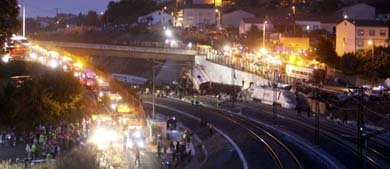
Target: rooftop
253	20
199	6
373	23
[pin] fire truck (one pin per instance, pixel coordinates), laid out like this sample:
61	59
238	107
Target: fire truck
18	48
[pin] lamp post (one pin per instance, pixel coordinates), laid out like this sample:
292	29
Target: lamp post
233	81
293	10
308	30
371	44
264	25
163	16
218	18
23	19
153	89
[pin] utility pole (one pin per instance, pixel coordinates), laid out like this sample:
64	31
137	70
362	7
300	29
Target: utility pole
274	98
360	127
293	9
57	12
153	90
233	79
317	109
24	21
264	26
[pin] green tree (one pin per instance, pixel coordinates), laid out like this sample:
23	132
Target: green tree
254	32
9	23
350	64
127	11
91	19
326	53
49	96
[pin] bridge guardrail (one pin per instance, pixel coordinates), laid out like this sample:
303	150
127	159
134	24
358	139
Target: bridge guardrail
150	49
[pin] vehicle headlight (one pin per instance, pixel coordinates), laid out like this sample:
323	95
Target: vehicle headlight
129	143
140	144
33	56
5	59
113	106
53	64
137	134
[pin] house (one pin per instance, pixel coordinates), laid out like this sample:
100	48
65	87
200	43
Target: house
358	11
233	18
247	23
354	35
295	43
309	25
156	17
325	23
198	15
161	1
214	2
202	1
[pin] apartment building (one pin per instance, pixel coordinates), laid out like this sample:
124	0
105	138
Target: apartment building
354	35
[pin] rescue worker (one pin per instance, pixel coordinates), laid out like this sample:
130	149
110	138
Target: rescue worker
41	139
34	150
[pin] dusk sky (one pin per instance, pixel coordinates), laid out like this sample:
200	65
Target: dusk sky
47	7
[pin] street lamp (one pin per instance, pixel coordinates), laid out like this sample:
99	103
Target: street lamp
163	16
24	19
265	23
307	29
293	9
218	18
168	33
371	44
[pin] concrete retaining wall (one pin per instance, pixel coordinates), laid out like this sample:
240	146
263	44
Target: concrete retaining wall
222	74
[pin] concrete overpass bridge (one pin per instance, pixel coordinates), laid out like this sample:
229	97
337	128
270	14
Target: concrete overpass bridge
147	51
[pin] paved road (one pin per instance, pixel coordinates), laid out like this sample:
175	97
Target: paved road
220	153
255	153
9	152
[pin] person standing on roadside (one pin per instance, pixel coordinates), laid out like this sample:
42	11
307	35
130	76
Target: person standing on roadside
28	151
211	130
34	150
137	156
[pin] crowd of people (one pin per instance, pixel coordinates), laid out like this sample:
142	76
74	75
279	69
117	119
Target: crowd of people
8	138
46	142
174	151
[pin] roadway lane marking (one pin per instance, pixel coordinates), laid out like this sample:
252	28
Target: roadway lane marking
238	150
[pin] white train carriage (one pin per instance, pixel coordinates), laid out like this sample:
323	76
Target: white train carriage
283	98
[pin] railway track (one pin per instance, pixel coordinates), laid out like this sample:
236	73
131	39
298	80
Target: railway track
283	157
374	147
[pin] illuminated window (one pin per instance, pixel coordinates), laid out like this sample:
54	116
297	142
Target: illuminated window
360	32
